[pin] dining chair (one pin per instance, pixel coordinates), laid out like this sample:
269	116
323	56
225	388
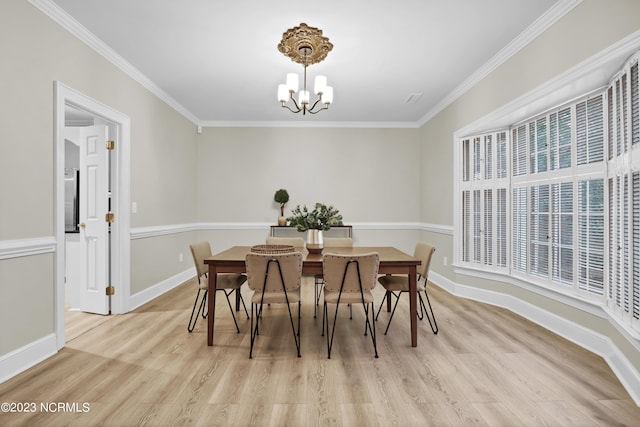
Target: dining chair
296	242
349	279
396	285
228	283
328	243
274	279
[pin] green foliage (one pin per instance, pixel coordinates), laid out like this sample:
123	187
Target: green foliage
281	196
322	217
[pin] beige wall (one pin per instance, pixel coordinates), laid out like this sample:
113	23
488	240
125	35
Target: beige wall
588	29
168	248
370	175
26	300
35	52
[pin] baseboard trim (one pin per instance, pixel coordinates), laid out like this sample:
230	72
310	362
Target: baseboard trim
154	291
23	358
578	334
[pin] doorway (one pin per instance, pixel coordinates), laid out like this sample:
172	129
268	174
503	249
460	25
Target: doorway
107	259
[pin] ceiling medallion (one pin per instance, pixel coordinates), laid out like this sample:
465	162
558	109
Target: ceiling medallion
305	45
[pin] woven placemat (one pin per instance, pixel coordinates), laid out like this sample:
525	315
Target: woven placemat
273	249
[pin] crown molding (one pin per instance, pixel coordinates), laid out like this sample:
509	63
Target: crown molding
79	31
312	124
538	27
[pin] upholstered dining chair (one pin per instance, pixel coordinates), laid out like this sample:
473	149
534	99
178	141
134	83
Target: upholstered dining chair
328	243
396	285
227	283
296	242
274	279
349	279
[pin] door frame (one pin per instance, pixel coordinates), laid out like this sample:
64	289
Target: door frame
120	201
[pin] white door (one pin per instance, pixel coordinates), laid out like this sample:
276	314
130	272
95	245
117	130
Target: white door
94	229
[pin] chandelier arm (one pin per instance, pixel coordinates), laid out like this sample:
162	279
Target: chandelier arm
326	107
293	99
289	108
314	105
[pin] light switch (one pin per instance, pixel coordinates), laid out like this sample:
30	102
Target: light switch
134	207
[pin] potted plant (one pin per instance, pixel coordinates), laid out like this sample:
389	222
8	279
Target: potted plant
314	222
281	197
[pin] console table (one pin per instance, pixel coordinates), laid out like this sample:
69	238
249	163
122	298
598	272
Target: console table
335	231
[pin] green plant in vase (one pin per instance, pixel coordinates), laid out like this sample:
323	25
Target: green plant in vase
322	217
314	222
282	197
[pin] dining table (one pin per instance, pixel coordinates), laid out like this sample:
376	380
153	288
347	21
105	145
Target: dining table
392	261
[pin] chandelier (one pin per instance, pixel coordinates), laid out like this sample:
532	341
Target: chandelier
305	45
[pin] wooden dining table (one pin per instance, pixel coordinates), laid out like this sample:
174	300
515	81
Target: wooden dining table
392	261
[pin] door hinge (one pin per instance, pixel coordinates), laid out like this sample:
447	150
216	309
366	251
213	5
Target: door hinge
110	290
111	145
109	217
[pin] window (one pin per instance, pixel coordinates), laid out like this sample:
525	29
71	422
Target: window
555	200
484	200
623	201
553	194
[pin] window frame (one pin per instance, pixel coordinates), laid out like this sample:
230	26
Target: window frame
532	169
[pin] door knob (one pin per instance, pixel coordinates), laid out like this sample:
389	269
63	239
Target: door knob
82	225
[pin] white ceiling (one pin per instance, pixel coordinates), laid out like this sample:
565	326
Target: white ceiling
218	61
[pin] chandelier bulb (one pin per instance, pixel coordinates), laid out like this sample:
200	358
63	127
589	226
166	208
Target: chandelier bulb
292	82
303	97
327	95
283	93
320	84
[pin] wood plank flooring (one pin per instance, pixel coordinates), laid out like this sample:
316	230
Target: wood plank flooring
486	367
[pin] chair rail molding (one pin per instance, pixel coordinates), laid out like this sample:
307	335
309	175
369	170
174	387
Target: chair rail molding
162	230
27	247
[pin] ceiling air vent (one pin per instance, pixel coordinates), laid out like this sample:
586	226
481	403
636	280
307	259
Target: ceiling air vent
413	98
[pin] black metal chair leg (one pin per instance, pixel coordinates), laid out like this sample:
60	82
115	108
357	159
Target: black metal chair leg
242	301
434	325
317	286
253	332
387	296
192	320
381	304
372	328
392	312
231	310
333	332
293	328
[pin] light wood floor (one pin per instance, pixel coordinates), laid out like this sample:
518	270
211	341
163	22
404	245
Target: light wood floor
486	367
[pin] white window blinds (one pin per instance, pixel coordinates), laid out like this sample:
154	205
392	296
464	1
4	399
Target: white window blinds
623	201
555	200
484	200
555	205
